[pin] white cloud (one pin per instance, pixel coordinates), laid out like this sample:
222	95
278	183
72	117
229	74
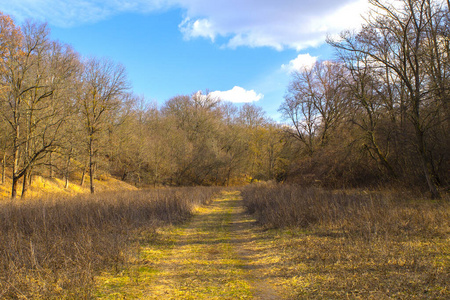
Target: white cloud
300	62
237	95
279	24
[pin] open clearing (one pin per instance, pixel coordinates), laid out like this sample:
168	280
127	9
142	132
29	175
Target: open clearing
221	253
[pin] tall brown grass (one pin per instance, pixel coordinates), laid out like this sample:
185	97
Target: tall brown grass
367	214
53	248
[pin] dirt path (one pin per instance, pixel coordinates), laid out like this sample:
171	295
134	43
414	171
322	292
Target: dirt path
219	254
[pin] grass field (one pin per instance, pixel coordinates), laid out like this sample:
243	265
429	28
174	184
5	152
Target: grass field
55	187
264	242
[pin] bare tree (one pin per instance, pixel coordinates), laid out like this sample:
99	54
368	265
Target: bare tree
397	38
48	104
369	89
315	103
32	74
104	85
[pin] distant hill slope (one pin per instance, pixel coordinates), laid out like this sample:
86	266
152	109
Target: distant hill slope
44	186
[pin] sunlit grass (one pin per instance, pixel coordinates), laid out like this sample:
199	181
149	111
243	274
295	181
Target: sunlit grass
217	251
44	187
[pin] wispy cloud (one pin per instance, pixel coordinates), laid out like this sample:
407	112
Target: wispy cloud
70	13
197	28
254	23
237	95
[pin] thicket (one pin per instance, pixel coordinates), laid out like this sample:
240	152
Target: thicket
380	112
53	248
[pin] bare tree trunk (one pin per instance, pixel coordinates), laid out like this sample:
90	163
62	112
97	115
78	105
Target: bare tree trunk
83	176
426	164
91	164
67	170
25	184
430	181
381	156
15	170
15	180
4	167
50	156
66	183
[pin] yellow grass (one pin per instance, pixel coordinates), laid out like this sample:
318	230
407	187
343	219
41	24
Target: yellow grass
343	248
52	248
50	187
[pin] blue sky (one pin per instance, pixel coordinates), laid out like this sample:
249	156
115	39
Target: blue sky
241	50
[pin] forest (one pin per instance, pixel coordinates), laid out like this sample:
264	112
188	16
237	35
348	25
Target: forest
377	115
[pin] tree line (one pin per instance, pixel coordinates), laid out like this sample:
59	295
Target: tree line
73	117
380	111
377	114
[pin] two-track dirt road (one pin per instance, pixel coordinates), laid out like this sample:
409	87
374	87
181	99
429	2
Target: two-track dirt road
218	254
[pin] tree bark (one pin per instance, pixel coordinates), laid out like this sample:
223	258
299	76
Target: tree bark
426	164
83	175
50	156
15	170
14	187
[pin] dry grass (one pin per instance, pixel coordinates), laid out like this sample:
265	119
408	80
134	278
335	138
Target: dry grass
362	214
54	187
356	245
52	249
